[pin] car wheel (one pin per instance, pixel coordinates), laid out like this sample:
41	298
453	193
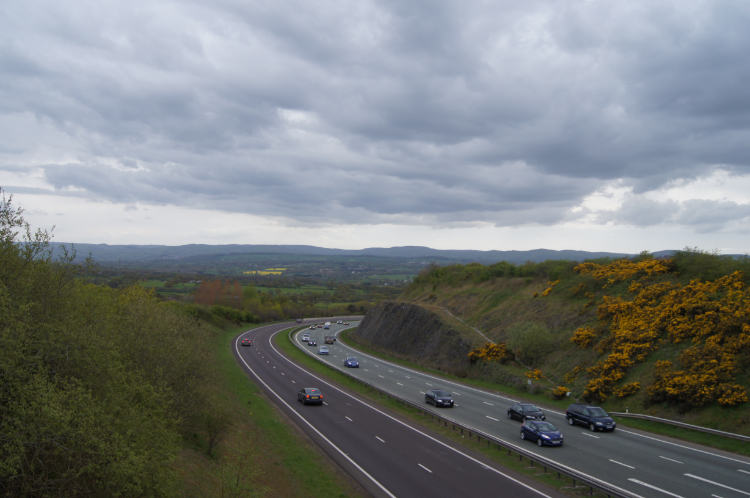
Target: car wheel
539	442
510	415
570	421
523	435
592	427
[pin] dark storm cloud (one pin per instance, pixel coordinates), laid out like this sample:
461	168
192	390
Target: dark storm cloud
431	112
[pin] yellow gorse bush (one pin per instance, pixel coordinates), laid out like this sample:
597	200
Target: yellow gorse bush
714	315
560	392
623	269
535	374
491	352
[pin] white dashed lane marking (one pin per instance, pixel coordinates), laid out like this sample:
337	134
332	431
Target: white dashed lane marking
496	420
428	470
590	435
350	420
488	403
620	463
376	437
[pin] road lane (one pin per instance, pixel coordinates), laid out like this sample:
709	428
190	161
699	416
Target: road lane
583	450
382	452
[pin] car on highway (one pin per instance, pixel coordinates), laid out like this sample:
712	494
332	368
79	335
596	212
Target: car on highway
346	323
306	337
329	339
322	350
312	327
593	417
543	433
438	397
246	342
339	322
351	362
525	411
320	326
310	395
312	342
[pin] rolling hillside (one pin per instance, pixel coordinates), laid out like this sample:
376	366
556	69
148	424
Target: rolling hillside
668	337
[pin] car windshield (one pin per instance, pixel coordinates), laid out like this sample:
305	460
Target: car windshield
442	394
545	427
529	408
323	348
595	411
351	359
313	391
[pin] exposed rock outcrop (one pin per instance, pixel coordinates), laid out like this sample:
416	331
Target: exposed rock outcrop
413	332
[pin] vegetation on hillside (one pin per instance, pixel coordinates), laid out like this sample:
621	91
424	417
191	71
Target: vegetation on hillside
115	392
671	333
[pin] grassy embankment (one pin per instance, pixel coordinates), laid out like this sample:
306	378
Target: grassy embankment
501	457
280	460
499	299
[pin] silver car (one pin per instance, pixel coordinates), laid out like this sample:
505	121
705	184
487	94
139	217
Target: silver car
322	350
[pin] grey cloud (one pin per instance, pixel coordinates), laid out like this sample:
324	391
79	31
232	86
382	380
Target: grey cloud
702	216
418	111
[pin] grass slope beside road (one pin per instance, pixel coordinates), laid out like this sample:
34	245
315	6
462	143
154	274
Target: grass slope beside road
543	400
282	462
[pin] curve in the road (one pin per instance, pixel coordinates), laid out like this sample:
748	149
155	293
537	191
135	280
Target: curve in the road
627	459
388	456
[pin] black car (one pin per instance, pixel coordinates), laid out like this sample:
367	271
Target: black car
438	398
310	395
351	362
525	411
543	433
246	342
312	342
593	417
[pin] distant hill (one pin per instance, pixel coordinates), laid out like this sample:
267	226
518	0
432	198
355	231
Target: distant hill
105	252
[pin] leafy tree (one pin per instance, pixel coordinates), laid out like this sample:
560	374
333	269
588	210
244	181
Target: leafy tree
531	341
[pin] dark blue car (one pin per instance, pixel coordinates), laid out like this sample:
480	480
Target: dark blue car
351	362
543	433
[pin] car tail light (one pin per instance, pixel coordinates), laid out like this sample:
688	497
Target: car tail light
321	396
307	396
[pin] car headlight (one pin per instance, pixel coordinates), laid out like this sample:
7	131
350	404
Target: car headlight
598	423
545	436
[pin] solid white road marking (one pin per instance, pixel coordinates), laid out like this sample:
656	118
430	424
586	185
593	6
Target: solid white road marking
376	437
350	420
428	470
717	484
619	463
684	447
653	487
590	435
496	420
675	461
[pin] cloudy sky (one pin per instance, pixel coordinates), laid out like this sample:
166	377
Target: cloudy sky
593	125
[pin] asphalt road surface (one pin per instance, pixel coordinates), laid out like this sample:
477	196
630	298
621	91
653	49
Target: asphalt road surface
644	464
386	454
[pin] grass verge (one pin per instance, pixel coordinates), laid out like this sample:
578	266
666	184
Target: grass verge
512	462
280	460
718	442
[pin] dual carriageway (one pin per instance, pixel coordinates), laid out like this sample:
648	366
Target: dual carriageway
390	456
